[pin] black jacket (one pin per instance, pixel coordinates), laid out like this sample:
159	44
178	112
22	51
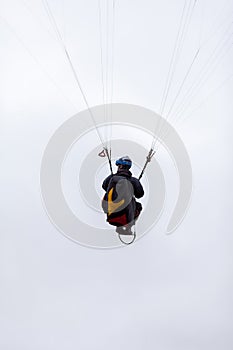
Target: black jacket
138	189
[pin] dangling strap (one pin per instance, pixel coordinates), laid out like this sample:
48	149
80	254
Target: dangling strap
127	243
133	234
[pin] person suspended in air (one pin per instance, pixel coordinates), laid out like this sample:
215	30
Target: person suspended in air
119	201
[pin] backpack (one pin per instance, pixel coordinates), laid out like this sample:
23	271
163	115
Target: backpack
119	202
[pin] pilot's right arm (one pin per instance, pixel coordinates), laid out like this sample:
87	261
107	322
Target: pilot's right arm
138	189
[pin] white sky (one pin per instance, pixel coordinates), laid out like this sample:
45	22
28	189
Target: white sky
164	292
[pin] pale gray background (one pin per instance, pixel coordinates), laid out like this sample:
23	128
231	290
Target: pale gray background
164	292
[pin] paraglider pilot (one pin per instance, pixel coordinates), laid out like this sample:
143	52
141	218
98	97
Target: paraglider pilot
119	201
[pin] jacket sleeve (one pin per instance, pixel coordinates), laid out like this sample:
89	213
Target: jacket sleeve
138	189
106	182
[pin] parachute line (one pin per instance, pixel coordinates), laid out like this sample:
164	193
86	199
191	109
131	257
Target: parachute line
61	41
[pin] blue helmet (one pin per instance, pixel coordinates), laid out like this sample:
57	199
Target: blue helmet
124	161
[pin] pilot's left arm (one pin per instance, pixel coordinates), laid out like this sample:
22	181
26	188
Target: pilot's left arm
106	182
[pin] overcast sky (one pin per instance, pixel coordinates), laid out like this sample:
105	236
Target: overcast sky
164	292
